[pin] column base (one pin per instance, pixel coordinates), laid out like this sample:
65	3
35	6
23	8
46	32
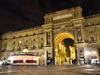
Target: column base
78	63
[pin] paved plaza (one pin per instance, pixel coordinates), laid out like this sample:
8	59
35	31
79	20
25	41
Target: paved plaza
50	70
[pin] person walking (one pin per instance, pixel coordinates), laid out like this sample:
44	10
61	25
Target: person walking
51	61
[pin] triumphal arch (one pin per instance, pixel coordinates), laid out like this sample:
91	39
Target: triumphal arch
48	39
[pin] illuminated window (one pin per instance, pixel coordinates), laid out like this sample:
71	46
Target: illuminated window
89	24
19	41
79	39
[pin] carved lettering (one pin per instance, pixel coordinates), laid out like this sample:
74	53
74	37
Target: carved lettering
62	16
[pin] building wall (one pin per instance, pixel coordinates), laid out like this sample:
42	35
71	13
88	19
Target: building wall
85	30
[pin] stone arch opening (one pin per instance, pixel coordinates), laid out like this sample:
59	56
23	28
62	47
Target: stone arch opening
64	52
93	56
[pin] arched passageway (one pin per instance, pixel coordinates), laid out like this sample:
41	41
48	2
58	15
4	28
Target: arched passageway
64	50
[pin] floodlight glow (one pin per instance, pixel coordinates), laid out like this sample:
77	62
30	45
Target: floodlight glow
10	58
56	49
60	44
19	41
1	62
87	53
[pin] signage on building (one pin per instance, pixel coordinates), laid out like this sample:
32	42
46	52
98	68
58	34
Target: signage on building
62	16
93	57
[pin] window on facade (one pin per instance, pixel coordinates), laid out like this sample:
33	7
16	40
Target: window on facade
90	31
41	38
5	48
89	24
81	51
49	42
33	33
20	36
91	38
33	45
19	47
13	37
13	48
20	41
33	39
5	38
41	44
5	44
14	43
79	39
49	53
49	36
26	34
16	53
26	46
26	40
78	31
41	32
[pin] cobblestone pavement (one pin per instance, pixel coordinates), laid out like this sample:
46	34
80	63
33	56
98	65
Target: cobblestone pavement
50	70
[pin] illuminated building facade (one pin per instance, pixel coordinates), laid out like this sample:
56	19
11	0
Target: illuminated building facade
47	39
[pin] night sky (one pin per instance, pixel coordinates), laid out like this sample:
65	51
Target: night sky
22	14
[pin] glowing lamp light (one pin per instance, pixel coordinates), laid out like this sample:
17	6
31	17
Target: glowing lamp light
44	55
60	44
56	49
87	53
19	41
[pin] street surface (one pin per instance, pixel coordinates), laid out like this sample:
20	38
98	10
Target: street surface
50	70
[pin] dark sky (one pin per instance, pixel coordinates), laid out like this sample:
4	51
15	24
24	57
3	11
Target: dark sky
20	14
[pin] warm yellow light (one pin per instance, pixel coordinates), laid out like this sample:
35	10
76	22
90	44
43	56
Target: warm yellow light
64	49
19	41
60	45
56	49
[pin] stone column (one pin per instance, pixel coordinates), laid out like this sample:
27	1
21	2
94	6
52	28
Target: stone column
78	57
75	35
82	31
51	37
70	61
67	61
45	58
45	38
85	56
